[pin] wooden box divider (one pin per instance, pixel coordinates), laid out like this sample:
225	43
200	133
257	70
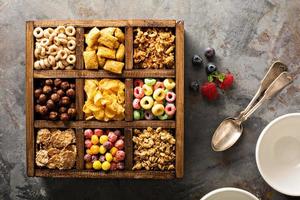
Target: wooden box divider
128	75
79	48
30	143
128	48
79	98
128	148
128	99
80	148
179	99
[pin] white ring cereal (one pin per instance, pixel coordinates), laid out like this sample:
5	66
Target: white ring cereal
70	30
38	32
71	59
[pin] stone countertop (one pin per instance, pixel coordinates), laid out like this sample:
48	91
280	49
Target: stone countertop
247	35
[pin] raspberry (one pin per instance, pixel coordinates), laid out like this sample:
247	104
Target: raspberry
227	82
209	91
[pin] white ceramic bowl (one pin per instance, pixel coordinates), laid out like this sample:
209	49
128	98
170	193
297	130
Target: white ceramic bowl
278	154
229	193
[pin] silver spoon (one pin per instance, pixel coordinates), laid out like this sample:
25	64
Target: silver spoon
274	71
230	130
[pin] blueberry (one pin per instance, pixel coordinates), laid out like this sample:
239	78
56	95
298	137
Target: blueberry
195	85
210	68
209	52
197	60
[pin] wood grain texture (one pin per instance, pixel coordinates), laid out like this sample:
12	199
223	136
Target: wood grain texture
79	74
29	100
79	98
152	23
128	48
128	99
106	23
128	148
80	148
81	23
134	73
110	175
99	124
79	48
179	99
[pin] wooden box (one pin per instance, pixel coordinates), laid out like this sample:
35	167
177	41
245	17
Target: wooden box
129	73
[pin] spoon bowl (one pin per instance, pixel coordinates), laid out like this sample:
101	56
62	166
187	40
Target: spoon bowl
227	133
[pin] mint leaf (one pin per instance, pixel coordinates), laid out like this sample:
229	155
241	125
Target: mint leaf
210	78
221	77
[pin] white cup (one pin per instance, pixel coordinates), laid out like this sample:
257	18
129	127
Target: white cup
229	193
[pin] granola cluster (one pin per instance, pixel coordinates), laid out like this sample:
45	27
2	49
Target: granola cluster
56	148
154	48
153	149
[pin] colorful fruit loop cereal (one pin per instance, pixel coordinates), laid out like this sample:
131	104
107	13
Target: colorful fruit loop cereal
154	99
104	149
105	99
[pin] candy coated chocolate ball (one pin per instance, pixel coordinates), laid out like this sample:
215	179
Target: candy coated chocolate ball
88	133
102	158
113	166
103	139
120	155
102	149
88	165
120	165
94	139
108	157
88	151
95	149
98	132
97	165
108	145
87	157
113	151
119	144
105	165
117	132
112	137
88	143
94	158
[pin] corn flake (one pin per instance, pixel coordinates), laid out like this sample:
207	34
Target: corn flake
105	99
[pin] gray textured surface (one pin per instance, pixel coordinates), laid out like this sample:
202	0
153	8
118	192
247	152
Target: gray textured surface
247	36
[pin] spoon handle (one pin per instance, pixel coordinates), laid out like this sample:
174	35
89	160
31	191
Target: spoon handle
278	84
274	71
